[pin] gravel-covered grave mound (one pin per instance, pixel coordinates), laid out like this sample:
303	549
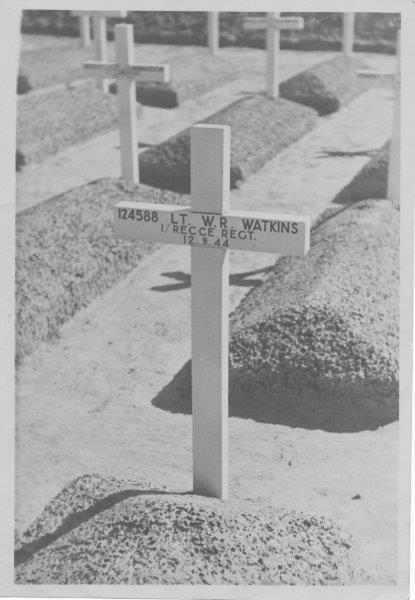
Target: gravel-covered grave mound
58	119
54	65
108	531
370	182
66	255
260	128
322	333
328	85
316	344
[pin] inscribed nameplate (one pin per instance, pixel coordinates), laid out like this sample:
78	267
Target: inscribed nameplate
235	230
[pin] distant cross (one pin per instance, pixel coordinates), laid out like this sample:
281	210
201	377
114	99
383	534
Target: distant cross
213	31
126	73
210	228
348	33
273	24
394	179
100	34
84	28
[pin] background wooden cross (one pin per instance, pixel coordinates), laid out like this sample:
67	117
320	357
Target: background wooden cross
394	168
348	33
127	73
100	34
273	24
211	229
84	26
213	31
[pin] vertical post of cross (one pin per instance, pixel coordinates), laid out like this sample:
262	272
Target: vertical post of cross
348	33
100	45
85	30
273	51
126	90
394	180
210	167
213	32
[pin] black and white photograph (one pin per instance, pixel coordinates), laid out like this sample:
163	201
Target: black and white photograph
210	302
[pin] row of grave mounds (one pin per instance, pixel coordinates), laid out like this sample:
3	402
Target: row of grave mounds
52	286
193	73
61	267
72	113
53	121
326	87
316	344
260	126
101	530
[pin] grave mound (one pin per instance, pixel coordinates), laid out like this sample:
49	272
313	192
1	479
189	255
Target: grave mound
55	120
261	127
108	531
327	86
54	65
321	334
370	182
316	344
66	255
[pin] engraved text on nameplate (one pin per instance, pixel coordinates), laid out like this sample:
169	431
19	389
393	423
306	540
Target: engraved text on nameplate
235	230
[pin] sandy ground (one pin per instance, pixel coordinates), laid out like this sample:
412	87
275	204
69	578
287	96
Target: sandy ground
99	157
84	403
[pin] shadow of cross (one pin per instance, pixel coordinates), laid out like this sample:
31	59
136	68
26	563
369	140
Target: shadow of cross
210	228
127	73
346	153
184	279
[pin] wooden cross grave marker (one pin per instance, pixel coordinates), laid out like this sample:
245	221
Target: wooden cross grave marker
273	24
213	31
127	73
84	27
211	229
100	34
394	175
348	33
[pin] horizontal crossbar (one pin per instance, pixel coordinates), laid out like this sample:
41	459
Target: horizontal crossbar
235	230
144	72
102	13
280	23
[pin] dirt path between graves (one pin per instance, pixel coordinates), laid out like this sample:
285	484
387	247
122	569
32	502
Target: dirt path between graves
99	157
84	403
